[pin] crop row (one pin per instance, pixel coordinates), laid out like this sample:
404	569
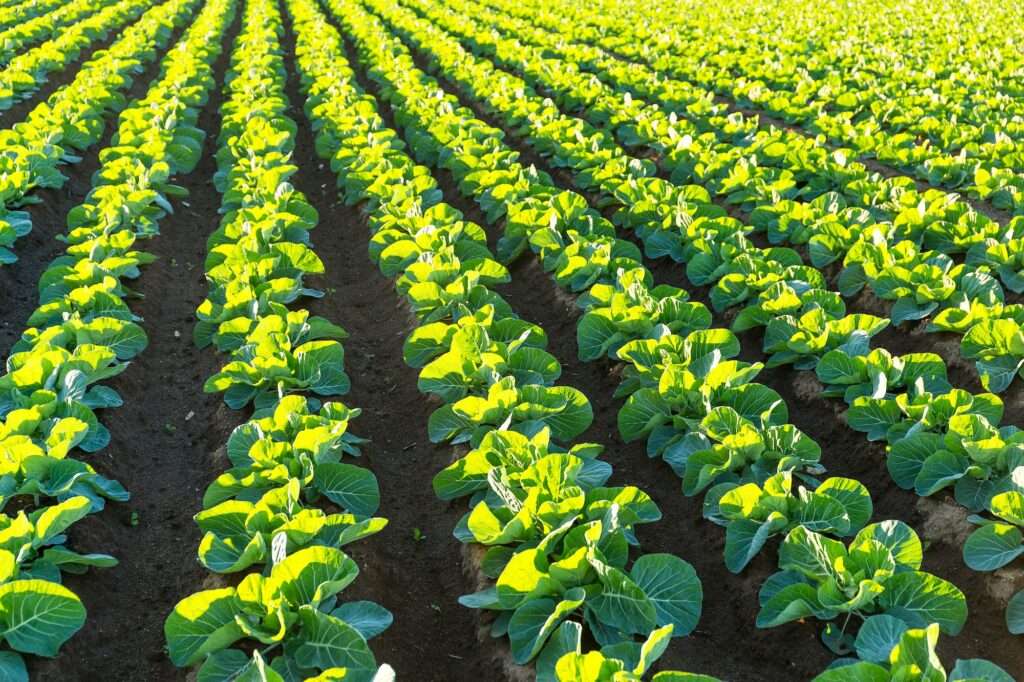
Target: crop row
83	333
908	260
899	399
26	72
948	121
632	126
897	242
43	27
689	443
557	537
15	12
74	117
287	504
895	399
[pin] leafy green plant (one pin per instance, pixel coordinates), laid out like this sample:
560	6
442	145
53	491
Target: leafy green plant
628	662
297	603
753	513
525	487
997	543
282	355
430	340
887	649
800	341
505	404
474	361
997	347
634	309
878	572
582	570
942	440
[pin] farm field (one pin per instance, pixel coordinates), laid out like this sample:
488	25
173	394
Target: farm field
577	342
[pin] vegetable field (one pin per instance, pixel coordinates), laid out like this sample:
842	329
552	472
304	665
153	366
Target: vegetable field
512	340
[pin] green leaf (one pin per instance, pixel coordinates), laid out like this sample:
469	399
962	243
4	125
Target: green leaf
313	574
201	624
792	602
258	671
907	456
940	470
678	676
873	417
643	411
854	497
877	637
58	518
1015	614
861	671
533	622
39	616
993	546
921	598
998	373
12	667
327	642
978	670
744	538
916	653
566	639
223	666
594	334
899	538
673	587
350	487
1009	506
810	553
322	365
907	309
622	604
369	618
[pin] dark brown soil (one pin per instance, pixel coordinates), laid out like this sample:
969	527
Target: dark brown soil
730	602
18	291
163	443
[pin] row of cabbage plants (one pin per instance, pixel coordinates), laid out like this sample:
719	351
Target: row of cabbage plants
26	72
13	12
936	115
900	244
557	538
74	117
276	520
83	333
939	436
43	27
790	164
807	332
477	158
